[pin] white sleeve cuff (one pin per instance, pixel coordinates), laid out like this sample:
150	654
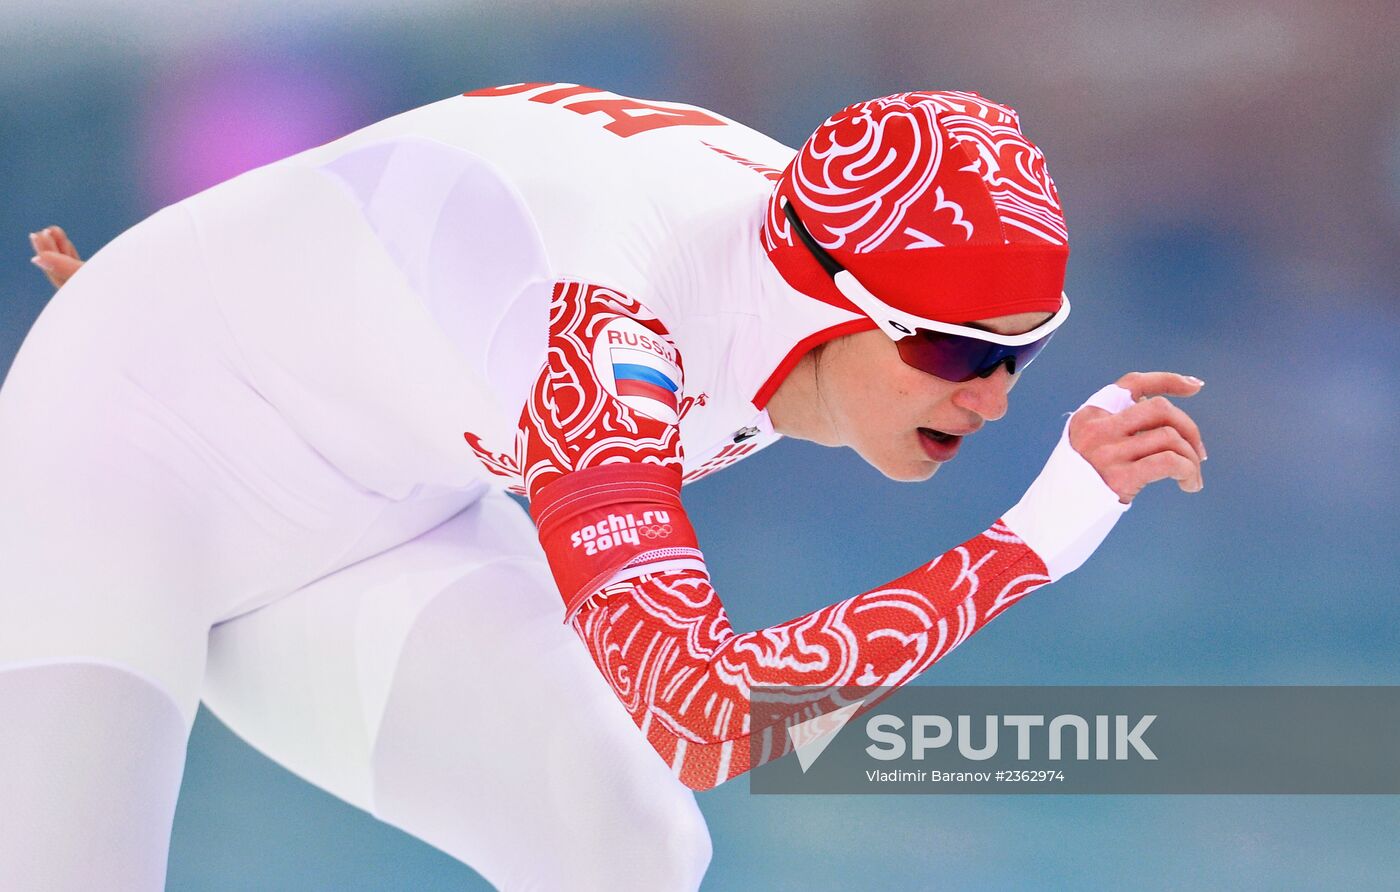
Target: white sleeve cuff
1069	510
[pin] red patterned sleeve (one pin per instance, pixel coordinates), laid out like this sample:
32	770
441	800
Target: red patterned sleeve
601	454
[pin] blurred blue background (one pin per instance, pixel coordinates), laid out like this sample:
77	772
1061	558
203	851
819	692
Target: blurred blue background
1231	175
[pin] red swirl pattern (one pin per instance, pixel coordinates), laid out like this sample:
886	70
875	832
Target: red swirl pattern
663	641
1013	169
915	170
570	421
862	170
685	676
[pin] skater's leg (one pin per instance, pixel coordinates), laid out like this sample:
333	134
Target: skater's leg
90	761
146	491
436	686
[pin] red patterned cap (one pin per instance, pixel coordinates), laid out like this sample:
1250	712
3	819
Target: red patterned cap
934	201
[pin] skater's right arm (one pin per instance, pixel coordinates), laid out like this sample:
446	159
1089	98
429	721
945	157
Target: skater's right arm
604	483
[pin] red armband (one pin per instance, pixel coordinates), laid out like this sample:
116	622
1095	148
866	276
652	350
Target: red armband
599	522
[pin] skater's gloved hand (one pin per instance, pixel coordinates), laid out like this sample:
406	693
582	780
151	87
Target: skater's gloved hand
54	254
1145	440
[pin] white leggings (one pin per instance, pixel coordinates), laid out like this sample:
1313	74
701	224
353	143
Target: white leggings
436	687
167	534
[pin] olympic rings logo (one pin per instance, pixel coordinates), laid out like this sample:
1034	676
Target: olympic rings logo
656	532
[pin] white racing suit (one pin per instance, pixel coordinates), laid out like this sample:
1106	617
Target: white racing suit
254	451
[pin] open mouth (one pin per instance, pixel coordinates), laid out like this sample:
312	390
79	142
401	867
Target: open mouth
939	445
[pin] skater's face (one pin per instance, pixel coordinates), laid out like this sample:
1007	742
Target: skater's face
905	422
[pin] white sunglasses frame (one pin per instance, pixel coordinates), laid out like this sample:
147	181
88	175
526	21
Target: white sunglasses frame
898	324
895	322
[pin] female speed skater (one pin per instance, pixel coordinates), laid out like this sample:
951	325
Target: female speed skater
254	453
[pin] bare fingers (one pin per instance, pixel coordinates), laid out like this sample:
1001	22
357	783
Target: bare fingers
61	240
1158	411
55	255
1158	445
1153	439
1149	384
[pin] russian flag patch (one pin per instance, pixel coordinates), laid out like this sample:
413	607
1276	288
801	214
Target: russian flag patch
636	374
638	366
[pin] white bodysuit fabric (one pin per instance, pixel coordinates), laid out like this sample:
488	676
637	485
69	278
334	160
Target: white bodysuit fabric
234	442
256	398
